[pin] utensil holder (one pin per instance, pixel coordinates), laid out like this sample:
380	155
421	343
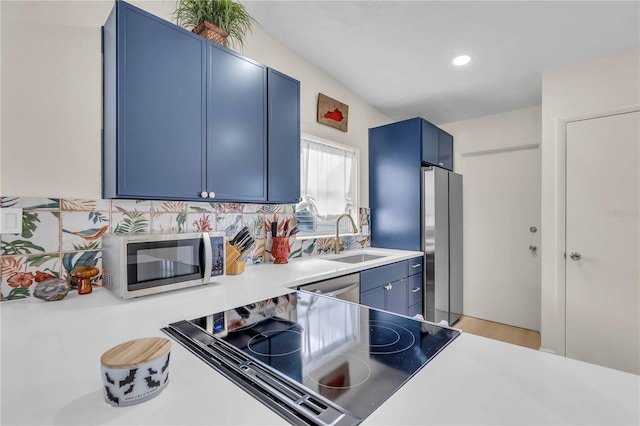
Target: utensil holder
280	250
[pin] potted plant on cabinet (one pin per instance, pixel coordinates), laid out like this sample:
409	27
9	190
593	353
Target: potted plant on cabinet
221	21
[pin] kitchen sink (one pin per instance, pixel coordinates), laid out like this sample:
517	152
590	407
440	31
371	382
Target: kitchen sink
356	258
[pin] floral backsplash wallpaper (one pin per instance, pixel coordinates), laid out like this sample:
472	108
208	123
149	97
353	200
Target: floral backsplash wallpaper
61	234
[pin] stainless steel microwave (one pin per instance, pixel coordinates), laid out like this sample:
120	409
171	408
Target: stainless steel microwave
138	265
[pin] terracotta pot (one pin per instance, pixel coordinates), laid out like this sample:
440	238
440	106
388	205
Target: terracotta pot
280	249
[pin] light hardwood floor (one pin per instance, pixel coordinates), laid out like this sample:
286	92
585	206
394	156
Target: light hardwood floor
502	332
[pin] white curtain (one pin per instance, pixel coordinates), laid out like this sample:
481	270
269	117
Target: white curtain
326	181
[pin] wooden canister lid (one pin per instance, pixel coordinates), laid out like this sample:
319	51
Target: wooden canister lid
136	352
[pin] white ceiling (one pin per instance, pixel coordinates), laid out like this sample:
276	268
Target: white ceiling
397	54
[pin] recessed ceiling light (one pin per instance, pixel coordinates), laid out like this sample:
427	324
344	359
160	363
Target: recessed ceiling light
461	60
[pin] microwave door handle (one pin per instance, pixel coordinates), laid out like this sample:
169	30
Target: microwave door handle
208	255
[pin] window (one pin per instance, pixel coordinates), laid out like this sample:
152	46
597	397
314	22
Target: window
328	186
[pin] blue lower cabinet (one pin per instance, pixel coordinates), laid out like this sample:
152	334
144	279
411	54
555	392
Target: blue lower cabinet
390	287
374	298
416	265
390	297
415	310
396	293
376	277
415	289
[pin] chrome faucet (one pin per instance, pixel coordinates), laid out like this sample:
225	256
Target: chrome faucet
336	247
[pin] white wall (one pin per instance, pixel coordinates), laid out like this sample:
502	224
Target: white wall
51	103
0	96
362	116
599	87
511	129
503	295
605	85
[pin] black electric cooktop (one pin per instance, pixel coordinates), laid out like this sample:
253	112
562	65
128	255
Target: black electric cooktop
311	358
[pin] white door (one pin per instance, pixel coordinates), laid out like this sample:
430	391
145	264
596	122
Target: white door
501	193
602	241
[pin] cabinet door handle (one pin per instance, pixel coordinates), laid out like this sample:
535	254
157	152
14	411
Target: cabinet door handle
417	265
415	290
440	164
204	194
212	194
388	286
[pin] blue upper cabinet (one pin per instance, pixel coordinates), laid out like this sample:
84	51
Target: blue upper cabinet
394	184
445	150
429	140
186	119
396	153
284	138
154	107
237	126
437	146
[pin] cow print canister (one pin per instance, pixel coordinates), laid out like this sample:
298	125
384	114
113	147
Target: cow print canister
135	371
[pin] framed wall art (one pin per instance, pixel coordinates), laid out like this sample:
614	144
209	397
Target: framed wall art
332	112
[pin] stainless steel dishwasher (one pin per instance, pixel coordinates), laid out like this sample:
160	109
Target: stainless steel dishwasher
346	287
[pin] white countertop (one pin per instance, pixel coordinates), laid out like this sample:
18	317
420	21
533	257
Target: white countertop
50	365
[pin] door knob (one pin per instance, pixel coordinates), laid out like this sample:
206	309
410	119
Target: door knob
575	256
533	248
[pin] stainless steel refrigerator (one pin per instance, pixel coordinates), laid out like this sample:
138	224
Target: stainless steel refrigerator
441	238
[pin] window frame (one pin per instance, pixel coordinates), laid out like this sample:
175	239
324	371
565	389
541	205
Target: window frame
356	187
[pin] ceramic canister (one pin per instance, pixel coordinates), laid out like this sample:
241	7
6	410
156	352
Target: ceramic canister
135	371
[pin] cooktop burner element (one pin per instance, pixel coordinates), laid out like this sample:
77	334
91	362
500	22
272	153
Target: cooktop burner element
257	346
314	359
389	338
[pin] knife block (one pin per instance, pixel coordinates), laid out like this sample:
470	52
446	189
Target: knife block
234	266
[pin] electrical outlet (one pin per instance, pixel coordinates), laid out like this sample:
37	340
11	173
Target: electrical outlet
11	220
